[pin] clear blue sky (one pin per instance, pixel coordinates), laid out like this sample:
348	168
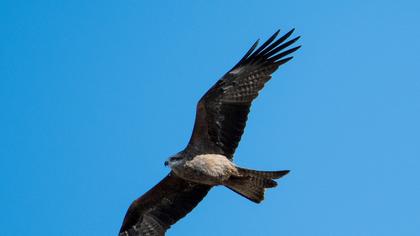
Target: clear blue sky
95	95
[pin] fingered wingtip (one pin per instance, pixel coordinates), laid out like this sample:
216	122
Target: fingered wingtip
292	30
271	51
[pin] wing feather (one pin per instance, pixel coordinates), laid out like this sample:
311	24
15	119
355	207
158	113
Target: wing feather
162	206
223	110
220	122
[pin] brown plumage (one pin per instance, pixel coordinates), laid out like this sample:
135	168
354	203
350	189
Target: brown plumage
207	160
252	183
163	205
223	110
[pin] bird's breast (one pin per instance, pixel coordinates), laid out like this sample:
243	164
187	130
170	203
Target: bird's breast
211	169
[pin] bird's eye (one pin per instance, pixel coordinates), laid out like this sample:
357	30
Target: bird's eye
175	158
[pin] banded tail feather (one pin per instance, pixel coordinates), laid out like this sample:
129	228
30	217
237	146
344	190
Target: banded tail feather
251	184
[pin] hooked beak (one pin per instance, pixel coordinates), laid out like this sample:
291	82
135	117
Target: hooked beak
166	163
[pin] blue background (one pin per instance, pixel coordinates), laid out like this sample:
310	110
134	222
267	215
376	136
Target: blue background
95	95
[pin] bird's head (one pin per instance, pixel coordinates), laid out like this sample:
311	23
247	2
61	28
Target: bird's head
174	161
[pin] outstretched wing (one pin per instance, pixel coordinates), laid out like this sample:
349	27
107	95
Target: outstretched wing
162	206
222	112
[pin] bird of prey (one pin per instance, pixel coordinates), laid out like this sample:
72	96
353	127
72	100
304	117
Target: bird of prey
220	120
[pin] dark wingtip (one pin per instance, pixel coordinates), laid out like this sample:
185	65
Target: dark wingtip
279	45
291	31
270	51
257	200
247	54
281	173
252	48
284	53
290	42
276	33
287	35
264	45
282	61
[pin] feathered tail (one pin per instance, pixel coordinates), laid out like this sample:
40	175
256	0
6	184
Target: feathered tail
252	183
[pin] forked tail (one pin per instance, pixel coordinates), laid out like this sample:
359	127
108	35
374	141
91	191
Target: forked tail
252	183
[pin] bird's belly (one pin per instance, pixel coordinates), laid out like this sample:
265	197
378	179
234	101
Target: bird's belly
210	169
197	176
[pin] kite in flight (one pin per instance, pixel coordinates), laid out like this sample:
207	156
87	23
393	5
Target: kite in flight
207	160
